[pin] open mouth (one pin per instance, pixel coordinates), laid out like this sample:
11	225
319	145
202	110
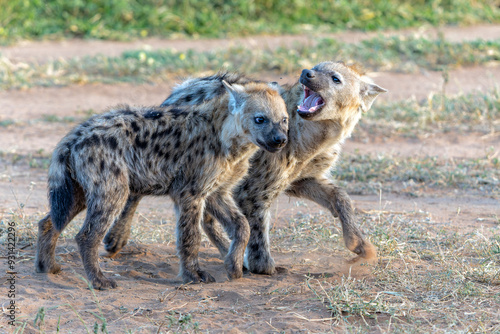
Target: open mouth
312	103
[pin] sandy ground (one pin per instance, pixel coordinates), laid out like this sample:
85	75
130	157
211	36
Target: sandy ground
148	289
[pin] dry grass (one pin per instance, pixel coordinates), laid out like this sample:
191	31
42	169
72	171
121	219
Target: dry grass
439	113
428	279
370	174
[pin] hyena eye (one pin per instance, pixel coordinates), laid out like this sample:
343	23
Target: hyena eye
335	79
285	119
260	120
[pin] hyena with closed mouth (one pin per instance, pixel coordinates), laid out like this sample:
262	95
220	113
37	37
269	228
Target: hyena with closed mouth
194	154
323	107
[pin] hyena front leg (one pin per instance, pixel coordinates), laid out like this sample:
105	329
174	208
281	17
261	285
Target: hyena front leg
258	257
45	260
189	213
223	208
119	233
335	199
215	234
102	209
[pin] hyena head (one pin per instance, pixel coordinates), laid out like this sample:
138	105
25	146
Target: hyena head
260	112
332	88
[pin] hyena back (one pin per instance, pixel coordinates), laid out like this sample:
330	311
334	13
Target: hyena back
323	107
195	155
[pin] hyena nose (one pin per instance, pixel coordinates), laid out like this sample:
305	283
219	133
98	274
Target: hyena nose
308	74
279	140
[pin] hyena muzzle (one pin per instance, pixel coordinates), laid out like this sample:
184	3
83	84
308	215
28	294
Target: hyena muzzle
194	154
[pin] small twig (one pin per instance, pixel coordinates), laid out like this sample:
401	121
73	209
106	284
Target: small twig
310	320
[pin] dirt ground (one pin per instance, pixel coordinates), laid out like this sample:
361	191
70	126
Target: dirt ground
146	272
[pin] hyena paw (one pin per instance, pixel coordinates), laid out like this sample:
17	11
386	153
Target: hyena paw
53	268
114	243
260	264
234	266
199	276
234	273
104	283
366	253
205	277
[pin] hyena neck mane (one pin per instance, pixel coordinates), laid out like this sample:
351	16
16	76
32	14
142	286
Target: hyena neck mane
195	91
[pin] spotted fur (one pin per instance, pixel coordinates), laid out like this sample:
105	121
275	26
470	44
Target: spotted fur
194	154
198	90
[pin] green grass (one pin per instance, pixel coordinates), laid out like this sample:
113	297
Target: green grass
477	112
38	324
126	19
430	277
51	118
408	54
7	122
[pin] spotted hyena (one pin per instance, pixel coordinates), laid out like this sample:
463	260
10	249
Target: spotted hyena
323	107
194	154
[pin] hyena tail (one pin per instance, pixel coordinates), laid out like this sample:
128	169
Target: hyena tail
61	188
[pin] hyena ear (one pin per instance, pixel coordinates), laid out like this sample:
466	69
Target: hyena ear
369	92
237	96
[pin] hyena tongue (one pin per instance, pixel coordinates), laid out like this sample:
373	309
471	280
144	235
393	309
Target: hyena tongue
311	103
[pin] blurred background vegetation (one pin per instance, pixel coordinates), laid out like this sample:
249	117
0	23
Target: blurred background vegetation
129	19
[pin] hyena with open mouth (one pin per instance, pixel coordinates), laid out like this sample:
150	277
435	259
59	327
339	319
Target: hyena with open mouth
323	107
194	154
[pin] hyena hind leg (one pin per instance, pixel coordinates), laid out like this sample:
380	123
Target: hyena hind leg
335	199
101	212
215	234
223	208
45	260
119	233
189	217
